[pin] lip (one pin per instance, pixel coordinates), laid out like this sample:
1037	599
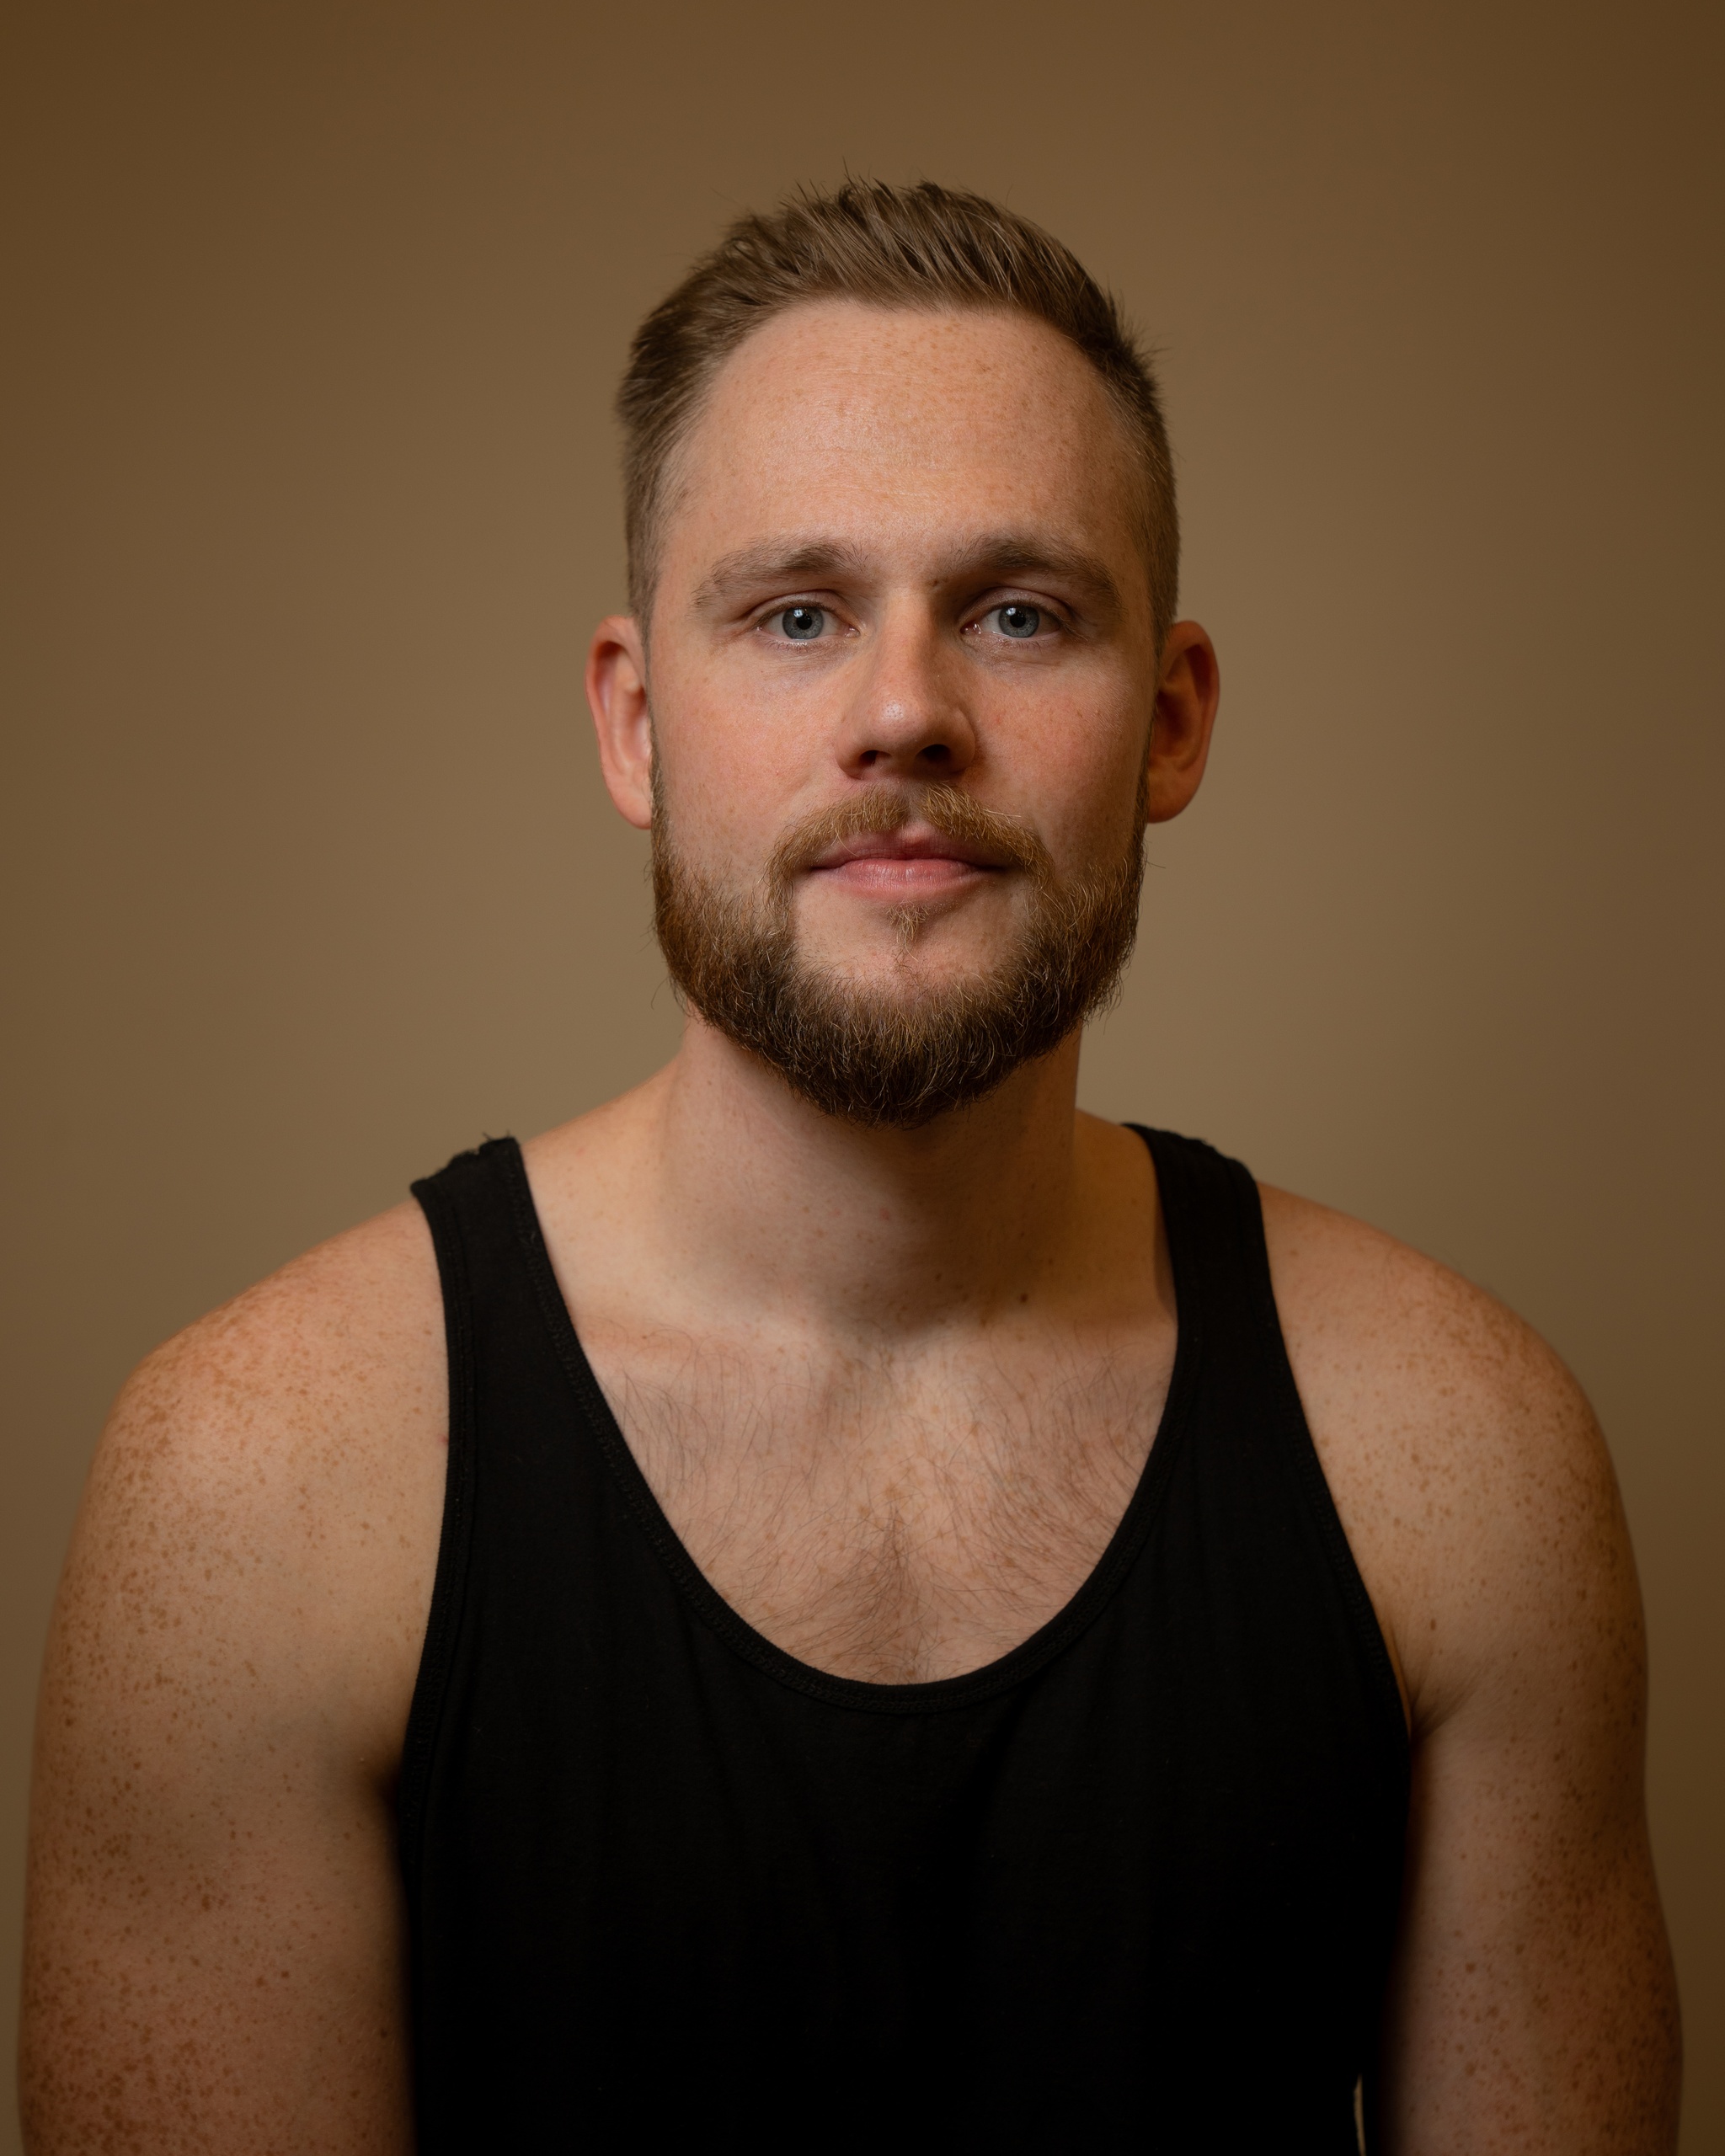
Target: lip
909	845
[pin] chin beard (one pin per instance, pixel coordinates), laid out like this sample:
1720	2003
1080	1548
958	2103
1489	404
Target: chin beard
887	1058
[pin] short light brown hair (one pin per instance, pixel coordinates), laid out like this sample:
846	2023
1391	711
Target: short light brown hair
926	248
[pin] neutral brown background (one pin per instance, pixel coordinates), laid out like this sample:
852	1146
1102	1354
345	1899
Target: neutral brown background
310	474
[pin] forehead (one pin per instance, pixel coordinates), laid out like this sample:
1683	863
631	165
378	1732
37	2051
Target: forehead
897	428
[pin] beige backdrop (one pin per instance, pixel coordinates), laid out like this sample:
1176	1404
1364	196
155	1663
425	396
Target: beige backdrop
311	470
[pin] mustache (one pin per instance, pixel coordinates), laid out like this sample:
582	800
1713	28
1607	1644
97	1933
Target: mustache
878	810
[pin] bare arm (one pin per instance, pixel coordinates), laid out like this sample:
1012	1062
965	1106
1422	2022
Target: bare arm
214	1943
1532	2006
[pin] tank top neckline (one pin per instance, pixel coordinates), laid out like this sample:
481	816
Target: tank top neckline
933	1695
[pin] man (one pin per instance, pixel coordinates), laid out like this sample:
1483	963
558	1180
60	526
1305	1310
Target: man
837	1600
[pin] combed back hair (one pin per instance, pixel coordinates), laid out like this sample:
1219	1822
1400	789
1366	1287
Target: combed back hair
926	248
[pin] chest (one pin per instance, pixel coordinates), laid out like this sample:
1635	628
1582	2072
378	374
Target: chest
892	1519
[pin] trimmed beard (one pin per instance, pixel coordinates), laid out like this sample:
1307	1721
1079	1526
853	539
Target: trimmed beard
883	1059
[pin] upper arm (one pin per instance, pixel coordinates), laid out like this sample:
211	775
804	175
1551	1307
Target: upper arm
213	1956
1532	2005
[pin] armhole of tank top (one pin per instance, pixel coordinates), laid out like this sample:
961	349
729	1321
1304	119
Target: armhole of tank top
1308	1471
450	1580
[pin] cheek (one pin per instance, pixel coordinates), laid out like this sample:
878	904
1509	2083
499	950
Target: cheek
730	777
1082	781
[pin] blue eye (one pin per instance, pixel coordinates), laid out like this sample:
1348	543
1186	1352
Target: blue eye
1016	620
803	624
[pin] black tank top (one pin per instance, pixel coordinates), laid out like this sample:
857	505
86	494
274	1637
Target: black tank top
1131	1887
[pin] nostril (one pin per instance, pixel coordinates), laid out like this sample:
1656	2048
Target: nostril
937	752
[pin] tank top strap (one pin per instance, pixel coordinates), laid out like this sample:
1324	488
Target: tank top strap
483	1223
483	1229
1214	1225
1226	1304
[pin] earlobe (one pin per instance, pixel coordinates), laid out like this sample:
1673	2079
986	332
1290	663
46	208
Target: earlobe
1185	714
617	696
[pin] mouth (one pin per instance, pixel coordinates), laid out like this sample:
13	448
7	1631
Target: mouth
911	862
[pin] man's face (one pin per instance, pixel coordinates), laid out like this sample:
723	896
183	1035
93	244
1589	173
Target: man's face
902	669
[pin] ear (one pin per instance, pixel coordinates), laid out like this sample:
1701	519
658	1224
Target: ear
1185	713
616	694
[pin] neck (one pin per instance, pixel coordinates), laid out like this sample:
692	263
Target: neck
768	1202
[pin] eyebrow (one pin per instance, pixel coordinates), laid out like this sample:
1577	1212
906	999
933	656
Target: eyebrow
1004	555
771	562
997	556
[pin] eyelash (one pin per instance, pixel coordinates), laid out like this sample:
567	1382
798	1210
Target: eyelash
1052	616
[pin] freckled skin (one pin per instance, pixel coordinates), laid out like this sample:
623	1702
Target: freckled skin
1534	2006
893	1388
213	1958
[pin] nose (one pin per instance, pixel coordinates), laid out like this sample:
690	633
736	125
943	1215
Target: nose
907	717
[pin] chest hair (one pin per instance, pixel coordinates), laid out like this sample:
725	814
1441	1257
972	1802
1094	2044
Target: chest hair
890	1517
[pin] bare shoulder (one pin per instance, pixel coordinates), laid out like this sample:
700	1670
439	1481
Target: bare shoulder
1532	2003
361	1310
213	1936
264	1502
1354	1293
282	1461
1464	1457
